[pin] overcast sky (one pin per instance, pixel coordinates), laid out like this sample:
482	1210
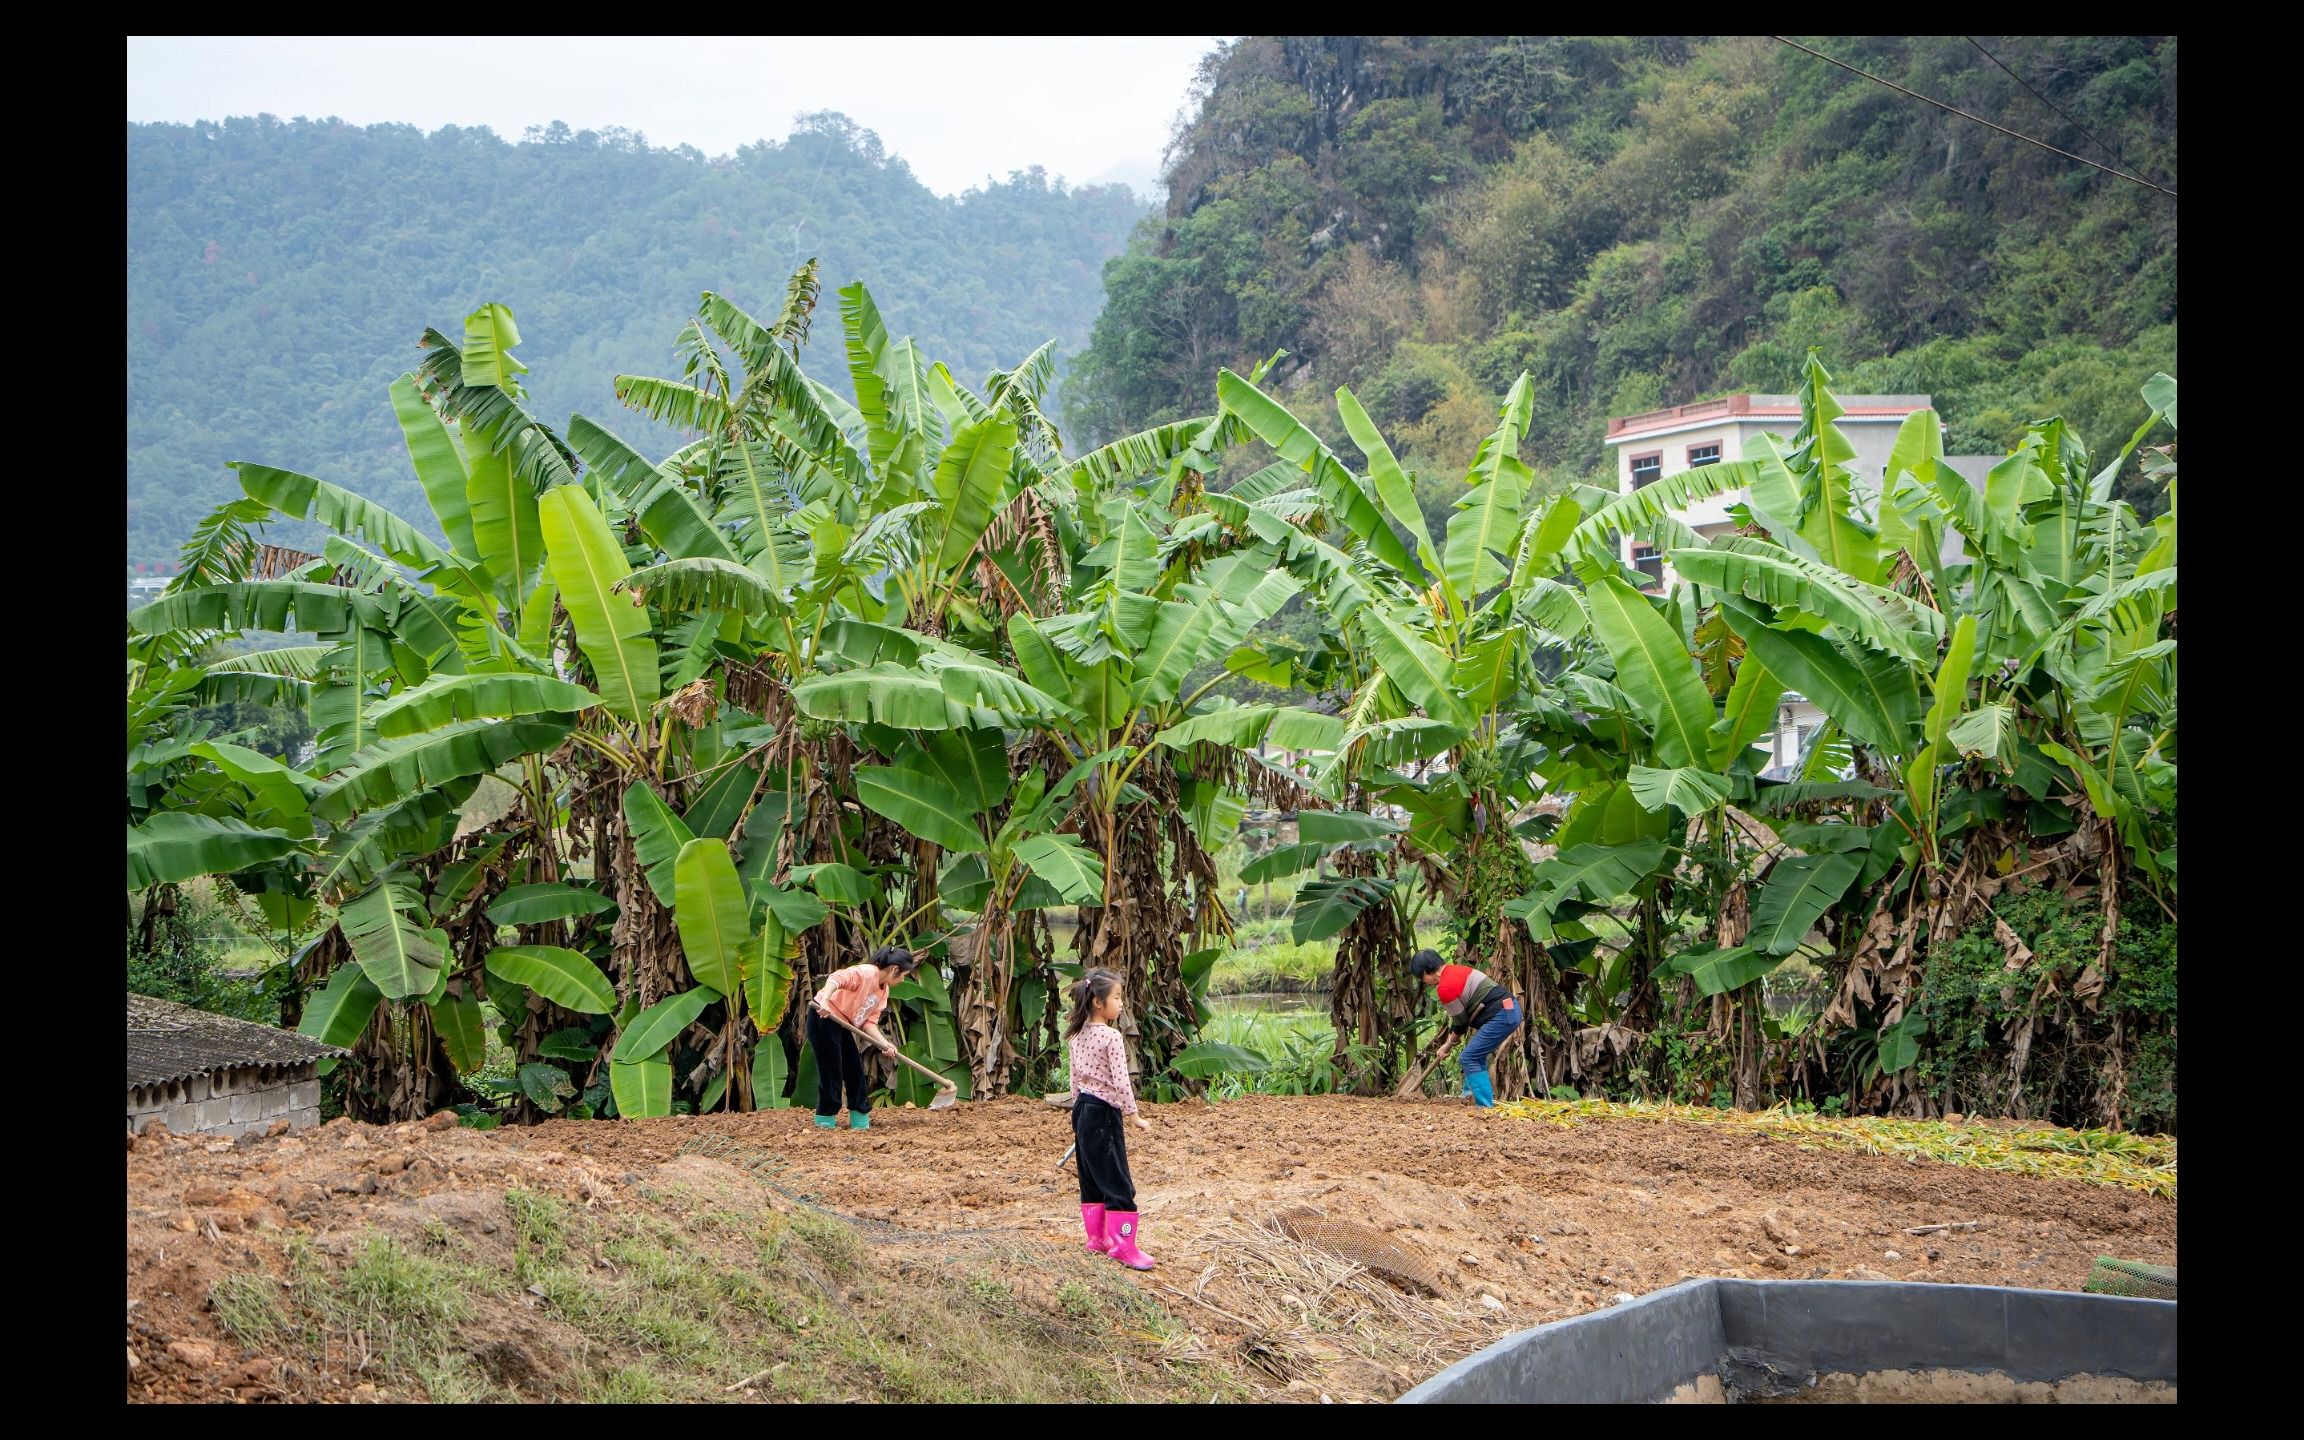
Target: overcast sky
959	111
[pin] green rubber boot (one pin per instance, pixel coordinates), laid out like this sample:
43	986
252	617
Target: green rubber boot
827	1122
859	1121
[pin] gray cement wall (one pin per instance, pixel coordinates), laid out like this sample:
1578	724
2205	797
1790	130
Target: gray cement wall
1767	1334
229	1102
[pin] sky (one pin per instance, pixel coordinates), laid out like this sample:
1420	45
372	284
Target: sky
960	111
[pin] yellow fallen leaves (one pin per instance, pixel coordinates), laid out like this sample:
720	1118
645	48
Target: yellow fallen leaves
2100	1157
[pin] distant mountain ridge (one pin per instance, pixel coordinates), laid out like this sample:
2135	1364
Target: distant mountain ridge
281	272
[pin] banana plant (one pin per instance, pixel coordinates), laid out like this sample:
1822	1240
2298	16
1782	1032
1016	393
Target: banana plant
1445	639
1999	694
806	537
430	700
952	789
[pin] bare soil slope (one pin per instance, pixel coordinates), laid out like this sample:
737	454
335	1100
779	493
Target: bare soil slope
938	1256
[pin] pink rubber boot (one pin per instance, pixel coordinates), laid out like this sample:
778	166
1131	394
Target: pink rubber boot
1120	1227
1092	1221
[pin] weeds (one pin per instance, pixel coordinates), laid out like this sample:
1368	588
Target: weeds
536	1226
388	1313
644	1307
2100	1157
247	1305
1078	1300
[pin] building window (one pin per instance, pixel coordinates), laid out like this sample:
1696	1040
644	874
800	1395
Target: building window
1649	561
1703	454
1647	469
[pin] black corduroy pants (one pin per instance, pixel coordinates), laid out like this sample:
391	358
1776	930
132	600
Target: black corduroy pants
839	1062
1097	1129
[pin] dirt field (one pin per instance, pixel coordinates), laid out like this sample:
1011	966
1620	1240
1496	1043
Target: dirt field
938	1255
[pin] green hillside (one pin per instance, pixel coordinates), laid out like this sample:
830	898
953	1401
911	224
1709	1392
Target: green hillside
279	274
1640	221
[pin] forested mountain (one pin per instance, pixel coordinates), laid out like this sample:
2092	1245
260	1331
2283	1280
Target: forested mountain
1641	221
280	274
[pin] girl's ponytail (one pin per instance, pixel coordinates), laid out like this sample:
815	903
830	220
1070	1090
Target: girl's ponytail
1087	992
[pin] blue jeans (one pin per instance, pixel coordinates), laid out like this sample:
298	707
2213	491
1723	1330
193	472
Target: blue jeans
1474	1058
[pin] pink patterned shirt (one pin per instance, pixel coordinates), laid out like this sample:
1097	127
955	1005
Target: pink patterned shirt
1100	1067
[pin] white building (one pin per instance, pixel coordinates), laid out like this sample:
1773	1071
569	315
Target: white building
1661	443
1796	720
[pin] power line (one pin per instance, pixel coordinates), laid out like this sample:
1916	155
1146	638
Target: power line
2107	146
2012	134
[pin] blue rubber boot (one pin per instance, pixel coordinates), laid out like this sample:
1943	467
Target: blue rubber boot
859	1120
827	1122
1481	1089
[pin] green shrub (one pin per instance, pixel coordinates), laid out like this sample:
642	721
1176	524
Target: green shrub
184	959
1974	1006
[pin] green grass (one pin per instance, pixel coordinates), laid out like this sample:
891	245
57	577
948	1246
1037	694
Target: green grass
538	1242
691	1289
387	1316
247	1305
1283	966
247	953
1265	957
1298	1047
1078	1300
624	1385
1268	1031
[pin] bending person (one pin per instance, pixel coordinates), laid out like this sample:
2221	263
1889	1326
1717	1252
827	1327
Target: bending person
1476	1004
858	995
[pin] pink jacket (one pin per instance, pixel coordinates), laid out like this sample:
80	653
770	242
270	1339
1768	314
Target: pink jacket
857	994
1100	1067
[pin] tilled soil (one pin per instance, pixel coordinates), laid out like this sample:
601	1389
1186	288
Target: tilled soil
1525	1222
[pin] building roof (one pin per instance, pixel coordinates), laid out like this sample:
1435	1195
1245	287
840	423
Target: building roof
176	1042
1755	408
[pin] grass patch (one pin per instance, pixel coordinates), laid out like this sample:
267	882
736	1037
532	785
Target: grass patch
1078	1300
247	1305
2100	1157
1265	956
624	1385
1283	965
538	1243
988	1291
390	1315
830	1242
1269	1032
681	1300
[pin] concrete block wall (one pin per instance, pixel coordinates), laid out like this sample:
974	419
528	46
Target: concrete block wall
229	1102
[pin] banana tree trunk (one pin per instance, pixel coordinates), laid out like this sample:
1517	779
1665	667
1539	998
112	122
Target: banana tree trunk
1744	1008
1372	997
399	1068
1493	869
1142	931
981	1006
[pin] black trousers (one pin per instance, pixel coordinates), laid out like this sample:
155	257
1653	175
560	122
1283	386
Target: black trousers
839	1062
1102	1155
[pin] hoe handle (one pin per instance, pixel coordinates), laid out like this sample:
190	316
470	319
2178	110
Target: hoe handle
1424	1062
940	1080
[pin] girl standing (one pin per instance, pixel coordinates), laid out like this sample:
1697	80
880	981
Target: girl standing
858	995
1101	1096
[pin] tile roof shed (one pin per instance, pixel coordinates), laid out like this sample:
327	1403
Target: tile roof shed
168	1043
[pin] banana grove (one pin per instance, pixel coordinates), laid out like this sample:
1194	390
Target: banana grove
618	754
